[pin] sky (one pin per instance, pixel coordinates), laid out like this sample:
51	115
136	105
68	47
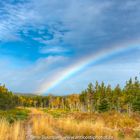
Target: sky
58	47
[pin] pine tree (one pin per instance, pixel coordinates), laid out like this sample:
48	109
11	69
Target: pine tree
103	107
136	105
90	94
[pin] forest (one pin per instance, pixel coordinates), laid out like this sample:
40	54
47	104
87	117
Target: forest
96	98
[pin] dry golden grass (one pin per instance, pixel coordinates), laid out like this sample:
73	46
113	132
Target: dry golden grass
107	124
47	125
35	111
13	131
118	121
41	124
83	128
73	124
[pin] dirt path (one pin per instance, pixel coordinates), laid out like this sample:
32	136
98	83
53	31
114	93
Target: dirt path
29	135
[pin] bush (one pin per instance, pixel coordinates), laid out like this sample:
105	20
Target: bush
14	114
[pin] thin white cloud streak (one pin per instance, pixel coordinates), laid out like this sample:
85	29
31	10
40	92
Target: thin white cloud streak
54	49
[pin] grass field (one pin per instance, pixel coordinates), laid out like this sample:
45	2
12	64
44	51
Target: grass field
34	123
65	123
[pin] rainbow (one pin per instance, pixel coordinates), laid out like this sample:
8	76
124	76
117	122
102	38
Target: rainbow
64	74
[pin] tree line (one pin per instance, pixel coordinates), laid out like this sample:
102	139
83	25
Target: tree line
96	98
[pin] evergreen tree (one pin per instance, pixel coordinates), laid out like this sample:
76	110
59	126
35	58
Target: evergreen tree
136	105
104	106
90	94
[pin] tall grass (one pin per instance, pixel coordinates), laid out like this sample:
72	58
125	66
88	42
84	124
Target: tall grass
84	128
49	126
13	131
41	123
107	124
41	126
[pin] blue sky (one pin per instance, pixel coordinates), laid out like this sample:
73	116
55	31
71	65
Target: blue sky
60	46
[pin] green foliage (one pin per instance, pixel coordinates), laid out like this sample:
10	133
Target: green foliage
121	134
104	98
136	105
56	113
6	98
14	114
103	107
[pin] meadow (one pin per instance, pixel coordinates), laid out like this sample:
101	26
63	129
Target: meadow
64	123
45	123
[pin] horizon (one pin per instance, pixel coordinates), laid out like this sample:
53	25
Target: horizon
60	47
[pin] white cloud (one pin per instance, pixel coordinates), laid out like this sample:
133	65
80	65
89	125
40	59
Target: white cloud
28	78
53	50
55	15
14	19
